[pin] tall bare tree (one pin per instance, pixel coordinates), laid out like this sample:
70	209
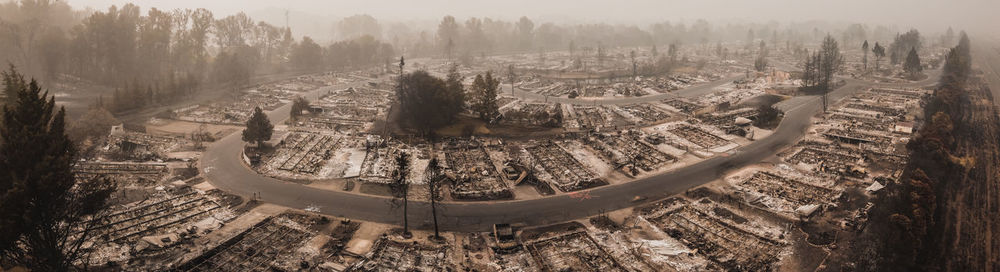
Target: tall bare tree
433	175
401	188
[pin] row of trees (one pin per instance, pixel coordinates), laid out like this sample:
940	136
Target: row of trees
760	63
912	65
472	36
903	50
134	96
821	66
164	54
878	51
903	43
475	36
427	102
121	44
907	230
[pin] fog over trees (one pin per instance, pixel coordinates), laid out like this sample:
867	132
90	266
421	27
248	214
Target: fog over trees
171	53
877	112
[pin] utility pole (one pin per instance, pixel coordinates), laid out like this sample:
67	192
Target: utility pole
825	99
634	66
510	73
399	84
402	62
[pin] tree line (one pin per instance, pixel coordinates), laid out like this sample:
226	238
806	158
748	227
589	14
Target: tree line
474	36
158	55
908	231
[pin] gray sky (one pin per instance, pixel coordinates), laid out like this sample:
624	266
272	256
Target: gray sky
932	15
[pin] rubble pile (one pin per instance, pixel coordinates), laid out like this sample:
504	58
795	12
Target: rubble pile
268	97
151	172
390	255
730	241
733	93
472	171
856	137
697	136
644	113
562	169
131	145
860	122
683	106
380	164
575	251
728	118
587	117
529	114
828	159
267	246
783	194
626	149
874	110
516	261
353	110
598	118
145	227
303	153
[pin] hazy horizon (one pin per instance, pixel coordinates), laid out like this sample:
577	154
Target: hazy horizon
930	15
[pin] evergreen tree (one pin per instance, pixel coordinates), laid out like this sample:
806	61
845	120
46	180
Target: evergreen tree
958	64
831	61
672	52
485	90
601	54
634	65
427	102
760	64
307	55
299	105
909	40
259	128
879	53
42	206
912	64
864	49
821	67
948	37
811	74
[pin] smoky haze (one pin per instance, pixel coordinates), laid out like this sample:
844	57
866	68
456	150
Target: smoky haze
931	15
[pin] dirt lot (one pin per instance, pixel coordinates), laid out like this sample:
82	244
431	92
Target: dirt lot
183	128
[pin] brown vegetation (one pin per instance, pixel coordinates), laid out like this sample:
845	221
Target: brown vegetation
941	214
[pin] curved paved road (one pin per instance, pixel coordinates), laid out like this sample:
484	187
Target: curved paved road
225	171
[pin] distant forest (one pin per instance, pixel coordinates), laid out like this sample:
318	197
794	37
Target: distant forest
157	56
